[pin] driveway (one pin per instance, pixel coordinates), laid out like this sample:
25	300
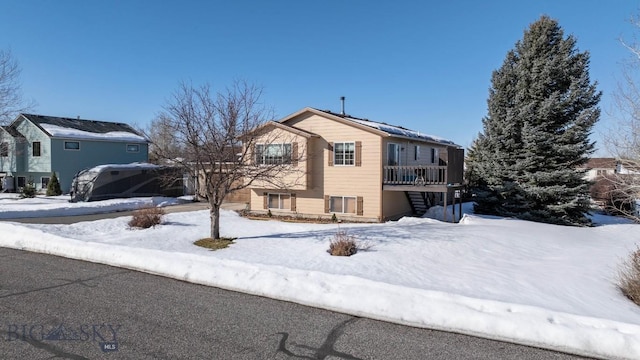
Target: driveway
192	206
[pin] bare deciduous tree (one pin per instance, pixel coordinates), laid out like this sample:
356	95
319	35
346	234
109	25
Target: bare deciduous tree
163	144
11	101
623	139
217	135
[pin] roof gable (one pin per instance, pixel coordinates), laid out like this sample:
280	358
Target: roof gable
60	127
278	125
379	128
12	131
601	163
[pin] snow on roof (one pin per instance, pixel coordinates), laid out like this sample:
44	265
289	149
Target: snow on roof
394	130
400	131
58	131
85	129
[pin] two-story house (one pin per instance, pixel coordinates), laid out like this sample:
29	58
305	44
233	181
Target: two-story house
32	147
355	168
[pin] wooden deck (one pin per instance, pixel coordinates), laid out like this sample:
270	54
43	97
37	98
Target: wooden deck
427	178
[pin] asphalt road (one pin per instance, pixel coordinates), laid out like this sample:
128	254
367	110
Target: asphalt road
53	307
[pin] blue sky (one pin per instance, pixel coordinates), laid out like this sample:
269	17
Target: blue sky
425	65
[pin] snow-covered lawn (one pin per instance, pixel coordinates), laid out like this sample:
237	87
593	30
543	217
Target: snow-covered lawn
530	283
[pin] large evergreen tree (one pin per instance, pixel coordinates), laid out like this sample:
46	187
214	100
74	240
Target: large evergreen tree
541	109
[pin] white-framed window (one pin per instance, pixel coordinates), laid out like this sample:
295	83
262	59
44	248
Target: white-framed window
44	181
279	201
342	204
22	181
4	149
344	153
133	148
273	154
72	145
416	152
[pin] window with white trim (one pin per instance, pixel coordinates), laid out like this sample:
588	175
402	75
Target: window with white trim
133	148
22	181
72	145
273	154
342	204
44	181
344	153
279	201
416	152
4	149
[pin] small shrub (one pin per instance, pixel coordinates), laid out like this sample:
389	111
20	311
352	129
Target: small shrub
214	244
146	218
29	190
53	187
343	244
269	214
629	277
334	218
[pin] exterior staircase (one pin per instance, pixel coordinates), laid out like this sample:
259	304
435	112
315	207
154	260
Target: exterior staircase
419	201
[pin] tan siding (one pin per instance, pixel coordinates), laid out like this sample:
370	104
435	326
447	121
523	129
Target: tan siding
364	181
395	204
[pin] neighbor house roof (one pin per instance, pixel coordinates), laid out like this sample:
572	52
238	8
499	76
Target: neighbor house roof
60	127
374	126
12	131
601	163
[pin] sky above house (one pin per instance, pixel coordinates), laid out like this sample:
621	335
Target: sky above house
425	65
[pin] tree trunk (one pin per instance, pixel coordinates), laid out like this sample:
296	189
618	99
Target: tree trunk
214	214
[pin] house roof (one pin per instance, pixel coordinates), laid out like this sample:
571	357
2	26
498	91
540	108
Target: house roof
60	127
294	130
601	163
381	128
12	131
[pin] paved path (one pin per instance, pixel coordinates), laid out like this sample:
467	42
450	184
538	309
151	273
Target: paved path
53	307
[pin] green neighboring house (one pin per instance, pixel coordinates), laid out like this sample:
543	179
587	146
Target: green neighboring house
32	147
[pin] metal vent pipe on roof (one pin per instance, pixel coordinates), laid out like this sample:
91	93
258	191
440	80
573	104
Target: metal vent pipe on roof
342	101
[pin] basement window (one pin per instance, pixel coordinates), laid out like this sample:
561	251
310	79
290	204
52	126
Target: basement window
342	204
279	201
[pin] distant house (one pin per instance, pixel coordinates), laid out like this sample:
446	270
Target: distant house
354	168
600	167
32	147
